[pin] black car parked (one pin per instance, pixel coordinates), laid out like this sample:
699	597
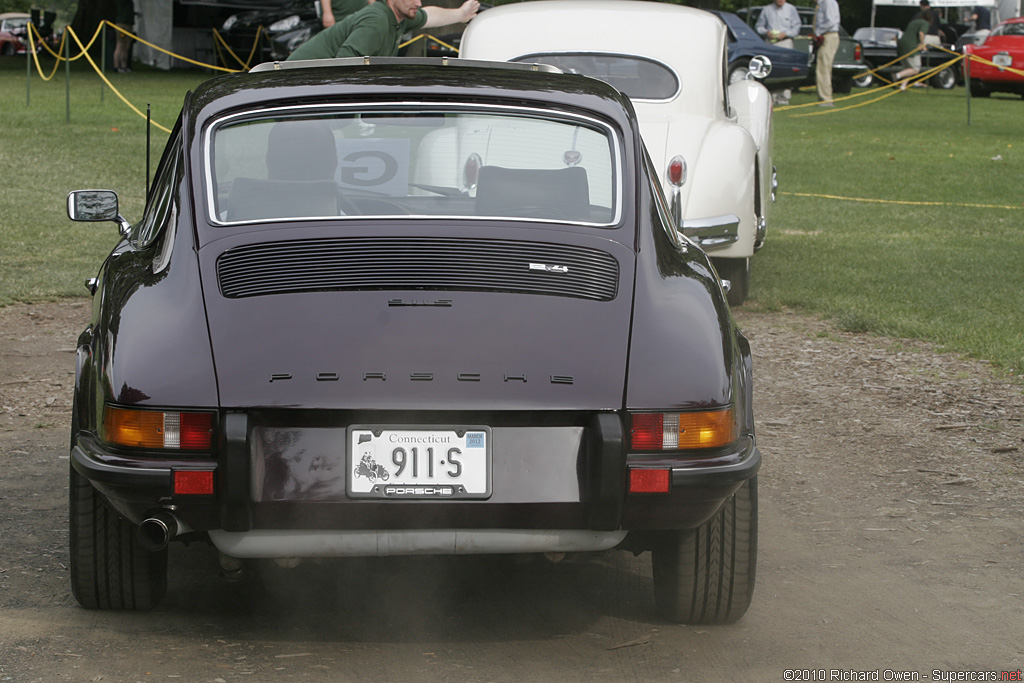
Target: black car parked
269	33
881	53
409	306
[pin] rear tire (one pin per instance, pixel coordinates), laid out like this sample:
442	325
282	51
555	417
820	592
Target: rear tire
978	89
944	80
737	272
864	81
109	569
706	575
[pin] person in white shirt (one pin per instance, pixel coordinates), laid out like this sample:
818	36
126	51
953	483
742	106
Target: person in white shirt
779	23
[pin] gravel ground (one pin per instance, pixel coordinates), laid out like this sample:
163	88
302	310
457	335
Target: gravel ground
891	537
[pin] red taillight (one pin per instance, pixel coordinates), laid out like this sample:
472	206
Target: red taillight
682	431
158	429
646	432
856	52
196	431
677	171
649	481
193	482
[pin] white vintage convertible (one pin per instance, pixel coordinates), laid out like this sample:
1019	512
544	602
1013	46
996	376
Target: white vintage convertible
710	140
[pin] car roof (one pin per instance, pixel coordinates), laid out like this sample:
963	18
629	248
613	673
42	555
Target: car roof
397	79
682	37
665	26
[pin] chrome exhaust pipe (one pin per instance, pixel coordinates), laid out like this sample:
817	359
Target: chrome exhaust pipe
157	530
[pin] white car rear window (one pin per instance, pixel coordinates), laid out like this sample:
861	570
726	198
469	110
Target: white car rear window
638	78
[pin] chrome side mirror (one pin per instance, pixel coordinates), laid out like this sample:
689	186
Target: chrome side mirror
94	206
759	67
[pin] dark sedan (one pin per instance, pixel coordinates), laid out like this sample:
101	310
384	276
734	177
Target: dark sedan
881	56
409	306
790	68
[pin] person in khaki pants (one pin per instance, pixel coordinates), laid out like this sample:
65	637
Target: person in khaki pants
826	37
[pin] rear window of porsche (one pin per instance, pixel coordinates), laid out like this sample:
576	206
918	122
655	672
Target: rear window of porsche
639	78
412	160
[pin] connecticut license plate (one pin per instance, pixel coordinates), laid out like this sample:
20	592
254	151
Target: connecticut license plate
410	462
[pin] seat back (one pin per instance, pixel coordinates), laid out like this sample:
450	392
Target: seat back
301	150
301	160
560	194
257	199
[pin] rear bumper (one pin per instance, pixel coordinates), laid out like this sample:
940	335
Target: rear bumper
851	70
592	512
272	543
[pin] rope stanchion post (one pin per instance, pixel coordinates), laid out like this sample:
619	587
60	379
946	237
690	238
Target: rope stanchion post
67	80
28	69
103	55
967	86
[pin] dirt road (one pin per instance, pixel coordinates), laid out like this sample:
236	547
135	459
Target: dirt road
892	540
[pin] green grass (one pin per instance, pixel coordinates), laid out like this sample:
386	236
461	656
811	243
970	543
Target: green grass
949	273
43	255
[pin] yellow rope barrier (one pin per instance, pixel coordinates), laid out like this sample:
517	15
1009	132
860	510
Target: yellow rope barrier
427	36
893	87
35	55
59	56
166	52
107	81
218	40
899	201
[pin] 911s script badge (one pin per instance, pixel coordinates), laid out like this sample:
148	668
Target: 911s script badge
549	269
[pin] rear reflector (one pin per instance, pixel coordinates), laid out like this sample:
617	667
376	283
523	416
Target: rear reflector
156	429
649	481
193	483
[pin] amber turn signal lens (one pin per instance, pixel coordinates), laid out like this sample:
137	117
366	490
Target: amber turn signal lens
682	431
157	429
706	429
138	428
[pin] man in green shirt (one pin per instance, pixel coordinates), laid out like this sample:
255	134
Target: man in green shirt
377	29
913	37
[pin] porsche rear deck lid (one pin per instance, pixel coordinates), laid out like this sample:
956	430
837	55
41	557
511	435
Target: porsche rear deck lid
422	61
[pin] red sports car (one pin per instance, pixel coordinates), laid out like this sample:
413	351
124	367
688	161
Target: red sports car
1003	67
13	33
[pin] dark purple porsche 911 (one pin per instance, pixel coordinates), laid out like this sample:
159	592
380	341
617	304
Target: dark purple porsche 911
395	307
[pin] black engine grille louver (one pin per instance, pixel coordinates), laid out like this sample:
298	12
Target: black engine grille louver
428	264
